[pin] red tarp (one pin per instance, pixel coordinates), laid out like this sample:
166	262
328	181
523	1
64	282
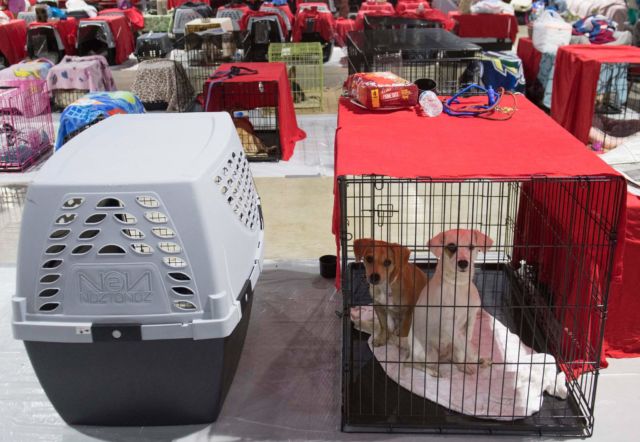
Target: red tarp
323	24
530	57
122	35
135	17
267	72
622	334
67	29
485	25
575	81
343	27
13	40
405	145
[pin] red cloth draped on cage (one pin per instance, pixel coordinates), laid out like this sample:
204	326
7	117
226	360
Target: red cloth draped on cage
428	14
313	20
134	16
374	9
343	27
577	70
122	35
485	25
530	57
67	29
529	147
13	40
244	21
290	133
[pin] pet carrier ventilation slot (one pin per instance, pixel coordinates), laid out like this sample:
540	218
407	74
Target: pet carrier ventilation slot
141	273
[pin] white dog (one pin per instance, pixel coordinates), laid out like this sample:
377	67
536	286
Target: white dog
448	306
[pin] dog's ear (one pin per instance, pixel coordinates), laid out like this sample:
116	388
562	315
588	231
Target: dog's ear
436	244
400	253
481	240
360	247
292	72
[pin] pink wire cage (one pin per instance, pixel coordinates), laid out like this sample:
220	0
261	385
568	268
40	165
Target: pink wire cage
26	126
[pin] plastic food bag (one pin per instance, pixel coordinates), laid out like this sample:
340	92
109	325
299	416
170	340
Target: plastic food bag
550	32
381	91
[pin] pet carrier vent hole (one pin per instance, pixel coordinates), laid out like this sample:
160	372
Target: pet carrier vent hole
111	249
55	249
224	189
52	264
147	202
163	232
169	247
179	276
96	219
65	219
60	234
177	263
184	305
50	278
48	293
142	248
73	203
110	203
125	218
217	179
81	250
184	291
49	306
89	234
156	217
133	233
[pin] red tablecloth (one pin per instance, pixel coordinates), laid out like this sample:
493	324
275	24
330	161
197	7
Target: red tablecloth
530	57
529	144
501	26
135	17
290	133
244	21
122	34
343	27
575	81
13	40
323	23
622	335
67	29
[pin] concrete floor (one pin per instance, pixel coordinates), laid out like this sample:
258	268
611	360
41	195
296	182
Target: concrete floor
288	383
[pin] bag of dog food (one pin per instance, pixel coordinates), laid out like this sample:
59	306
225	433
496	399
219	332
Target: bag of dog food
381	91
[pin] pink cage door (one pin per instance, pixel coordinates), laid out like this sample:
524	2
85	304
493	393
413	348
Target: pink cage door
26	126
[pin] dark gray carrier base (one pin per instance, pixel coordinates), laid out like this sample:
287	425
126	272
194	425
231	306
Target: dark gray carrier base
136	383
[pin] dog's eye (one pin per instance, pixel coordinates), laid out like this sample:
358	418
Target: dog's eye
369	259
386	263
452	248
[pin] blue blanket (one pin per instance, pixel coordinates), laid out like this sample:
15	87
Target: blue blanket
94	107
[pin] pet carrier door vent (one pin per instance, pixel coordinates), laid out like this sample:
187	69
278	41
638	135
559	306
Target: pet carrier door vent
88	248
236	185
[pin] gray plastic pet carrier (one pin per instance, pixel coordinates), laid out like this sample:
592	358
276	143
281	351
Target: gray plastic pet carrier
140	248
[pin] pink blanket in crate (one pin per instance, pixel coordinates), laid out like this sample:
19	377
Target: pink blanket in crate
91	73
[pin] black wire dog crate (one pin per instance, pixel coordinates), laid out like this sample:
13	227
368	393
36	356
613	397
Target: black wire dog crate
377	22
415	54
616	115
253	106
203	53
522	355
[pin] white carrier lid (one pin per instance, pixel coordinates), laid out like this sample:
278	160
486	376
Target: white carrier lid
147	149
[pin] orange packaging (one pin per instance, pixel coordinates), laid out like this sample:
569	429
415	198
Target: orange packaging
381	90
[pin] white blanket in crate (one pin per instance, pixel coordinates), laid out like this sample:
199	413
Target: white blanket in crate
511	388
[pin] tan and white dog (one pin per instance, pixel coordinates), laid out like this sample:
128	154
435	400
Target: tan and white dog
448	307
394	284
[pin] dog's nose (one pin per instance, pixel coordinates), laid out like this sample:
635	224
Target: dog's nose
463	264
374	278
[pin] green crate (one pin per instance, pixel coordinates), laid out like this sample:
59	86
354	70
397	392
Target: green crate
305	70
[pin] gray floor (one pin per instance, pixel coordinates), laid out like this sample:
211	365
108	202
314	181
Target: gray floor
288	383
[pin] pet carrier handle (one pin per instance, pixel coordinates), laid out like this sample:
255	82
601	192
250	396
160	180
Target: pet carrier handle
116	332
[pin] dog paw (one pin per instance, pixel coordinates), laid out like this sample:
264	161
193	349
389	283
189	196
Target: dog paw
467	368
485	362
432	370
379	341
